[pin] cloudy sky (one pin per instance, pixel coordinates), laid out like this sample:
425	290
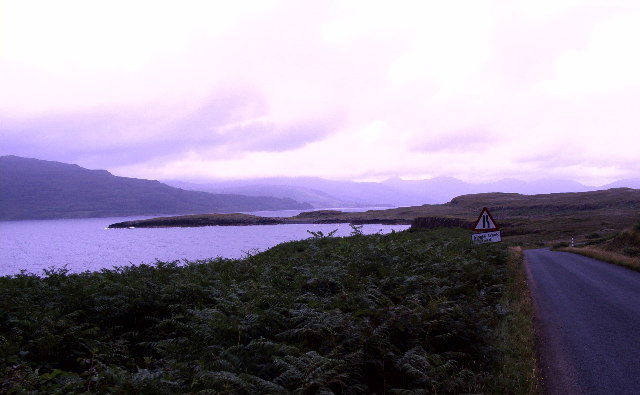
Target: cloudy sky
362	90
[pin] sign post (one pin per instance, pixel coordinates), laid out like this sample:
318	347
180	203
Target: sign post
489	228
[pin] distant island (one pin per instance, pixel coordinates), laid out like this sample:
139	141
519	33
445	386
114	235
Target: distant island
39	189
311	217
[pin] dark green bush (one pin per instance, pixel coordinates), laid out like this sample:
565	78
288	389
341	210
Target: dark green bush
365	314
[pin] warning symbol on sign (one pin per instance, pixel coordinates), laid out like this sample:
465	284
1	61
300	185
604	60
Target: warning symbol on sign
485	222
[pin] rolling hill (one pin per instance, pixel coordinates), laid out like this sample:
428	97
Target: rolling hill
39	189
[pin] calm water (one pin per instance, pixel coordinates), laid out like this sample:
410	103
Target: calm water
86	244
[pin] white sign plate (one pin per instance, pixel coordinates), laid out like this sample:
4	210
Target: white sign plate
489	237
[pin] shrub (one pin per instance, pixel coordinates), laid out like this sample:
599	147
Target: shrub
365	314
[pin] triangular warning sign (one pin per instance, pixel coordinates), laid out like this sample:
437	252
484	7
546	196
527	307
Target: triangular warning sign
485	222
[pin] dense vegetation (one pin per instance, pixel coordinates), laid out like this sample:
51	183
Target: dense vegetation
364	314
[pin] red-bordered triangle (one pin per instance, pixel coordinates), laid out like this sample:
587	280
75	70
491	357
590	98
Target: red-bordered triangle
485	222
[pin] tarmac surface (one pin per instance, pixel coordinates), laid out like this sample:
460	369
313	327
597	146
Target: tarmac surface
587	319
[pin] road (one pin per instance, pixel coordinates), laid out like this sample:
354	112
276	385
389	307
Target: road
587	318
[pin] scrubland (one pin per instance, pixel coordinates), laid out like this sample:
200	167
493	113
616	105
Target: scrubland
621	249
423	311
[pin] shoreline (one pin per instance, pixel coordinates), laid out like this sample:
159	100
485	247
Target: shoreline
236	219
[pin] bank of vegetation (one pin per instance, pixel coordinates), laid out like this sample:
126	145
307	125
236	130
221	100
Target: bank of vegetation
621	249
422	311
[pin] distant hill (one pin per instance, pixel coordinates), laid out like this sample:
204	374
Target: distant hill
443	189
628	183
322	193
317	198
38	189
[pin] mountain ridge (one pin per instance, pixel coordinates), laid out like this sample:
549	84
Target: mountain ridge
322	193
38	189
116	198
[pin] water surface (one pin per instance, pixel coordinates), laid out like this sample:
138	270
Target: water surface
86	244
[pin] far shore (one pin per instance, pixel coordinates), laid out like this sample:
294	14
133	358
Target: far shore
530	219
310	217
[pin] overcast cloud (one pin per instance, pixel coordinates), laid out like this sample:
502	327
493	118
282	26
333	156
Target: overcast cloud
479	90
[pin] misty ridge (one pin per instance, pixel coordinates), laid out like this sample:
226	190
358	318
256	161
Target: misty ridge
396	192
39	189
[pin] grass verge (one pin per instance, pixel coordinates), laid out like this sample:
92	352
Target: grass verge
515	333
606	256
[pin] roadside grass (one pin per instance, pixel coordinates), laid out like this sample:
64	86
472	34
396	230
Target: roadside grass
413	311
515	333
621	249
606	256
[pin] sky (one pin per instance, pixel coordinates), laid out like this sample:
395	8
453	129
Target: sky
358	90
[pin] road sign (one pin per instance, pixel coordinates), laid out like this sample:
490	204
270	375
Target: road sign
485	222
488	237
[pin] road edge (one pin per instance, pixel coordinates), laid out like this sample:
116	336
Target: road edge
548	343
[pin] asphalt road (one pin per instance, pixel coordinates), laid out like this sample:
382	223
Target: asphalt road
587	318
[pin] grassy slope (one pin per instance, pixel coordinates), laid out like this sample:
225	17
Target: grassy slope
543	219
423	310
622	249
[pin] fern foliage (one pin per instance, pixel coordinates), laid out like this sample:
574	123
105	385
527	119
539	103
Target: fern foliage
397	313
